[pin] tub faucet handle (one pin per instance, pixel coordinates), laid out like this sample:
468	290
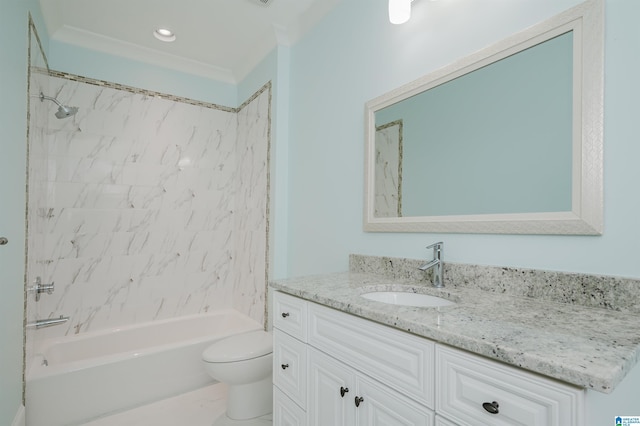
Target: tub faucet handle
40	288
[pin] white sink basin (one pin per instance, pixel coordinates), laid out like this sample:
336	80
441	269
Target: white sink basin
406	298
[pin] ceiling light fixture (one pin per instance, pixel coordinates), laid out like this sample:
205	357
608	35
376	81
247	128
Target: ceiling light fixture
164	34
399	11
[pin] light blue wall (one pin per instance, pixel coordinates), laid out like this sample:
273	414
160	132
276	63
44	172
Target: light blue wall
279	227
264	72
103	66
355	55
14	32
320	87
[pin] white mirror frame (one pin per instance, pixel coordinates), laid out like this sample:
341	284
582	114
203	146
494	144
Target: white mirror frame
586	218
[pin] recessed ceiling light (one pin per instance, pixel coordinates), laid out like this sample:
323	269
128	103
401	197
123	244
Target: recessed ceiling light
164	34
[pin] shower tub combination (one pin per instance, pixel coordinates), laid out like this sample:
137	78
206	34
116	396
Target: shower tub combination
82	377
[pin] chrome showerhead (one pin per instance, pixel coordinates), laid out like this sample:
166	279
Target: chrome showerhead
63	110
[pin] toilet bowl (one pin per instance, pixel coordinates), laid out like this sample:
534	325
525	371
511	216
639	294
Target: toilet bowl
244	363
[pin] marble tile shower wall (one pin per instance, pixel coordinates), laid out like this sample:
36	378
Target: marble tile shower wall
251	224
143	206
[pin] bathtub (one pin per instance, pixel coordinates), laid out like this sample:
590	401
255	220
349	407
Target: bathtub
78	378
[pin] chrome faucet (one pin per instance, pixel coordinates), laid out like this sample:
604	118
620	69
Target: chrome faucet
436	264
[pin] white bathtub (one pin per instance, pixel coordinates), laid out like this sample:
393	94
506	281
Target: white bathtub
93	374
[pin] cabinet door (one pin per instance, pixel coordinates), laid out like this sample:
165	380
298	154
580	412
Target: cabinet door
285	411
379	405
400	360
331	392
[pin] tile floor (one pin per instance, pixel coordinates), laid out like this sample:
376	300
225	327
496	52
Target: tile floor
203	407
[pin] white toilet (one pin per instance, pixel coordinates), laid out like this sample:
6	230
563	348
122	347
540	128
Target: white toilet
244	363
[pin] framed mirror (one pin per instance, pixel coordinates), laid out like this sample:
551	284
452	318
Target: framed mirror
507	140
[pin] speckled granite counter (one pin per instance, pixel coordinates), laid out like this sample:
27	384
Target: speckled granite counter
589	347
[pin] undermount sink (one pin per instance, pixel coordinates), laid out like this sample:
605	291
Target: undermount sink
406	298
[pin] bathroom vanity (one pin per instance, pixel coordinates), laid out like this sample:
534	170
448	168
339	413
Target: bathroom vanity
489	359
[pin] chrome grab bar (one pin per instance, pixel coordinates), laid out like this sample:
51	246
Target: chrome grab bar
48	322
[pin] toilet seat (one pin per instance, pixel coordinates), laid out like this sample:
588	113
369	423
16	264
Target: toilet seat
240	347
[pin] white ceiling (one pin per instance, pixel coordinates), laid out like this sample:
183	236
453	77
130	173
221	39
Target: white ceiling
219	39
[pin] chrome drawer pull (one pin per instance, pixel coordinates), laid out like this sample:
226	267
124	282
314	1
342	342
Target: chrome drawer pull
343	391
285	314
491	407
359	399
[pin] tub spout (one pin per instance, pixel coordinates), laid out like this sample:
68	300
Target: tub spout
48	322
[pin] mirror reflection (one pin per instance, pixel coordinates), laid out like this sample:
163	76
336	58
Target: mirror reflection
506	140
496	140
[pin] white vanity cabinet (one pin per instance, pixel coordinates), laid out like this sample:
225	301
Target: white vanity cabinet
440	421
477	391
290	369
331	391
285	411
401	361
339	395
333	369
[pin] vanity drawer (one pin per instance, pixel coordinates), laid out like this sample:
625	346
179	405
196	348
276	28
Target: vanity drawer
286	412
290	367
465	382
400	360
290	315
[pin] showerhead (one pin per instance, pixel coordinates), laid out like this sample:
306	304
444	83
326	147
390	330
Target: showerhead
63	110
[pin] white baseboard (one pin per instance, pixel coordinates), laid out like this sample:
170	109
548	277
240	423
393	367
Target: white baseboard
19	419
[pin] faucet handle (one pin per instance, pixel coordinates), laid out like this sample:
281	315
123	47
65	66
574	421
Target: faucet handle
436	263
40	288
437	249
436	246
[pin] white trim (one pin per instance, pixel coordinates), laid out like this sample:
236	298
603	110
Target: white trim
586	217
93	41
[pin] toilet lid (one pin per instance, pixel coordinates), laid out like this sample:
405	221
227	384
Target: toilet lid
240	347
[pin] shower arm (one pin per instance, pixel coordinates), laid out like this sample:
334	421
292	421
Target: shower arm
63	110
42	98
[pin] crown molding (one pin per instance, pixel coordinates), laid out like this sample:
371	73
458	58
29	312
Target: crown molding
93	41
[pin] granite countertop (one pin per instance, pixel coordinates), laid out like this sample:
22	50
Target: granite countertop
589	347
